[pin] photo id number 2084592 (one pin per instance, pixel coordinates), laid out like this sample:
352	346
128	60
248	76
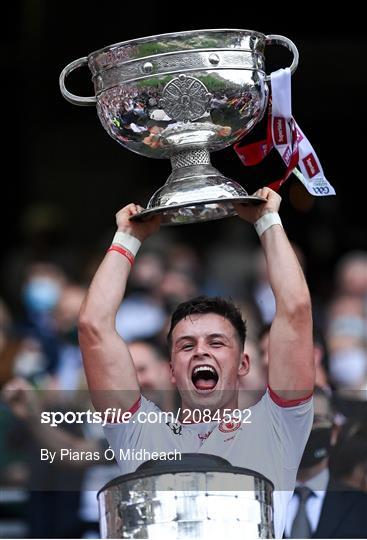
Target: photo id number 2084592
188	416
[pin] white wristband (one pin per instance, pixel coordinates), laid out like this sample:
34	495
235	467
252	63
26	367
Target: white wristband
266	221
127	241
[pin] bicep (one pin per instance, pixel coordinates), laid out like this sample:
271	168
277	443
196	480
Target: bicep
110	372
291	363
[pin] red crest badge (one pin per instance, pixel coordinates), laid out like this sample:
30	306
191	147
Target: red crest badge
232	425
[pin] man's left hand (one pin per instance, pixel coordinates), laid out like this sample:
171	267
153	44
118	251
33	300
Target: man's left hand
253	213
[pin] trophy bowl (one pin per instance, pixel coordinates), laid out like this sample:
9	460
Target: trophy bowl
181	96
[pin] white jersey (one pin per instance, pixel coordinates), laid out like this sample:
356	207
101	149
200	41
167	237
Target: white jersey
271	444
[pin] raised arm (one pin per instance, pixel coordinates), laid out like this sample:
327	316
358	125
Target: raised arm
108	365
291	364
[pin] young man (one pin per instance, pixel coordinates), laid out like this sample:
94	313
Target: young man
206	341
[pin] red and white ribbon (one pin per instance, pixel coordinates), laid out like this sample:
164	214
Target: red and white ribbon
285	135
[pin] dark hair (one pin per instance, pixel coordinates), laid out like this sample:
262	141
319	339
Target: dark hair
201	305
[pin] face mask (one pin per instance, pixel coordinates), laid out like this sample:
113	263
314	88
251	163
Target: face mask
41	294
317	447
348	367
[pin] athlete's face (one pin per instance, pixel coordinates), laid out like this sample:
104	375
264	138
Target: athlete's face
207	361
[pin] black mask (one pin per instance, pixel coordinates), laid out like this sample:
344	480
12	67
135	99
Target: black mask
317	447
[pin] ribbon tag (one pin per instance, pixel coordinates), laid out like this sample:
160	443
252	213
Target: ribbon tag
285	135
311	175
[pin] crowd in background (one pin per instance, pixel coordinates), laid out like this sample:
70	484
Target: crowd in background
40	352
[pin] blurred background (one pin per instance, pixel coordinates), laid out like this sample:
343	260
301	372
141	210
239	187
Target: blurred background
66	179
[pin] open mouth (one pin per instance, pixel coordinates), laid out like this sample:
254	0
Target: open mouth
204	377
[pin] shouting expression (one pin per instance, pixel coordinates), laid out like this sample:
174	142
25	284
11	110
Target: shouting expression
207	360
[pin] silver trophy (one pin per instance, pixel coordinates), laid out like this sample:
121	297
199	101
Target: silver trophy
202	496
181	96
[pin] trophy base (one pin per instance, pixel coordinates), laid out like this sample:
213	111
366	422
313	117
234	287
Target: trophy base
195	192
196	212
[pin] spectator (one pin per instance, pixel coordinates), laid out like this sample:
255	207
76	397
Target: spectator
348	458
321	507
41	290
347	339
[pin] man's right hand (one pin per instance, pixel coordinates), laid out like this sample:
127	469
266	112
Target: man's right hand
141	230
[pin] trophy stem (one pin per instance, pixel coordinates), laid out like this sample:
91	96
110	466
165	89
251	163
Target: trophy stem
192	164
195	191
200	156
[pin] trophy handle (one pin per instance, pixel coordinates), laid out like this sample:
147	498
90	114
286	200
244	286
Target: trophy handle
75	100
285	42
